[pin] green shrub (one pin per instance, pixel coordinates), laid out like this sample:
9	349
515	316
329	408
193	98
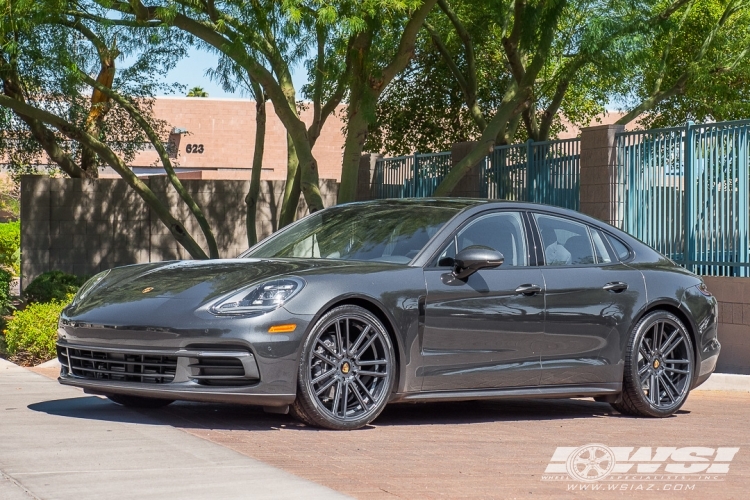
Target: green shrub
53	285
32	332
6	303
10	246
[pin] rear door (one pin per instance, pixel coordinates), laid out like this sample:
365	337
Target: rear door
486	331
590	300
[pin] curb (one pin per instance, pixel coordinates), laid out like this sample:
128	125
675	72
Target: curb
726	382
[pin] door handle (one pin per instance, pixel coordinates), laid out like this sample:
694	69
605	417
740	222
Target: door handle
616	286
528	289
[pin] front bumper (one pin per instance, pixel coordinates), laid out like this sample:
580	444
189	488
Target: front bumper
198	357
195	374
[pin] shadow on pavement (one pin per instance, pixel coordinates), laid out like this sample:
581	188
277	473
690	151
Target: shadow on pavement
239	417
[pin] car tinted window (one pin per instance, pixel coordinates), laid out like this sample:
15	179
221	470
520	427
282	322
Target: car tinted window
501	231
600	248
565	243
621	250
359	232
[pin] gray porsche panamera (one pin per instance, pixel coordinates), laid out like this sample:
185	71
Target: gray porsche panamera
363	304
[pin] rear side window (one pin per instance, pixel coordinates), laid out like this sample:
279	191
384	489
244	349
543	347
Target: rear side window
565	243
600	248
621	250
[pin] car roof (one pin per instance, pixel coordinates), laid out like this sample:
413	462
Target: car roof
468	207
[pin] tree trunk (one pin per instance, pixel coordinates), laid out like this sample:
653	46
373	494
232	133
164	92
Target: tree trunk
357	125
356	134
252	195
513	103
292	187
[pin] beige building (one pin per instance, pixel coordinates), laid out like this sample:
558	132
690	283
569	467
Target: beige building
214	138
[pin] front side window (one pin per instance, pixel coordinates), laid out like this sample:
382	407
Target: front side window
502	232
565	243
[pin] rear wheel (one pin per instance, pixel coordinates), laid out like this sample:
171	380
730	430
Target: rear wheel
659	365
139	402
346	372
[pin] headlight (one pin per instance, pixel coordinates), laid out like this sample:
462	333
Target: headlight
88	286
260	298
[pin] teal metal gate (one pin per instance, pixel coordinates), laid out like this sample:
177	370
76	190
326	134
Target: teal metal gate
684	191
541	172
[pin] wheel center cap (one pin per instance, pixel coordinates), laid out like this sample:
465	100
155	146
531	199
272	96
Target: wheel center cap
345	367
656	363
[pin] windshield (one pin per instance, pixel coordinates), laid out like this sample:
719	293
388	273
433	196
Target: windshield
372	232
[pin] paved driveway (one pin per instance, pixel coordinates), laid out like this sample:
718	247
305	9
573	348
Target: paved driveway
473	449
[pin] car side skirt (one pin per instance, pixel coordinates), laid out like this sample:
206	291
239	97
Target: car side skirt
570	391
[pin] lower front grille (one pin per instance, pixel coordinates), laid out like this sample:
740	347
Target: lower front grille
221	371
124	367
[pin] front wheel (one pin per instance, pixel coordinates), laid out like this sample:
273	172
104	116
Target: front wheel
346	372
659	365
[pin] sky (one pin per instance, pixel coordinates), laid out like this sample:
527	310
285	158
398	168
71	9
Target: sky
191	71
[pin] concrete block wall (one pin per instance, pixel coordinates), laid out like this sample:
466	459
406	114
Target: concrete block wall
84	226
733	295
599	172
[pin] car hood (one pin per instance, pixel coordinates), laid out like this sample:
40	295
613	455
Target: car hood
200	282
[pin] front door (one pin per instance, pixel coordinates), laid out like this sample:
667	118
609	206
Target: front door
485	331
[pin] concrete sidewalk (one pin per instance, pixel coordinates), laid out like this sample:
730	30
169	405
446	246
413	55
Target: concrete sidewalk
56	442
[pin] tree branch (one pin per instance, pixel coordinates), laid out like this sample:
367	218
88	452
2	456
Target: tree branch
406	45
163	156
76	134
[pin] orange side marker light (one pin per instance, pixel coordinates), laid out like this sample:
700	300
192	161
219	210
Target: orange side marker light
282	328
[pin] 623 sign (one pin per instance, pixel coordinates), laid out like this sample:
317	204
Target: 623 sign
194	149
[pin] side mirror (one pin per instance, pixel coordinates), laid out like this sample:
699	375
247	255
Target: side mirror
472	259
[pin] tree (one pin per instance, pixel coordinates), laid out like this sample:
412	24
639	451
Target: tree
696	68
264	38
52	104
378	52
561	57
197	92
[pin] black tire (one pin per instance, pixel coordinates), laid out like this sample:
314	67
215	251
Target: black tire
659	355
138	401
347	370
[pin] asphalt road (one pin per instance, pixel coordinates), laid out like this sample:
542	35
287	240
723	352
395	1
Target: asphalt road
502	449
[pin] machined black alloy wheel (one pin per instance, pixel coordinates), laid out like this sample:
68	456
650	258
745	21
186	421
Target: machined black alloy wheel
346	371
659	367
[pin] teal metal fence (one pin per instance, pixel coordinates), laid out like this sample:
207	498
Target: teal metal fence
684	191
414	176
542	172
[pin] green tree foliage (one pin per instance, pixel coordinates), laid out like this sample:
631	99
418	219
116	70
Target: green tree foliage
197	92
696	67
552	60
